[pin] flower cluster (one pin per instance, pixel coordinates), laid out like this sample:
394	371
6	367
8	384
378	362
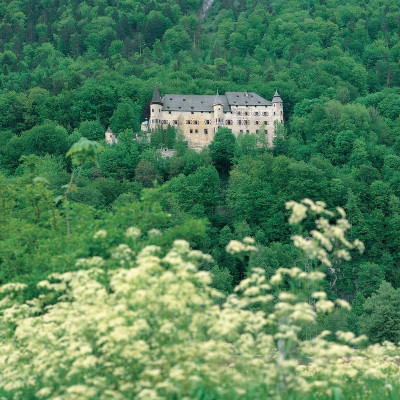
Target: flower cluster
154	328
328	239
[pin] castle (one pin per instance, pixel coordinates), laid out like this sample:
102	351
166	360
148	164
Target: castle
200	116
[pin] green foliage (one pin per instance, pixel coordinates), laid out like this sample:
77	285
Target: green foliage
69	70
381	317
146	174
91	130
125	116
48	138
137	306
84	150
222	149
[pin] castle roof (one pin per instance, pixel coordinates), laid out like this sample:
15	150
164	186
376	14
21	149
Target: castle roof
217	99
190	102
277	98
198	103
156	96
246	99
110	131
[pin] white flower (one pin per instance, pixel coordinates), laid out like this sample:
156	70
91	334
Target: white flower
235	246
133	232
101	234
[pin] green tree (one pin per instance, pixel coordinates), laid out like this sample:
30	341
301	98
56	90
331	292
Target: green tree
381	318
48	138
126	116
222	149
146	174
92	130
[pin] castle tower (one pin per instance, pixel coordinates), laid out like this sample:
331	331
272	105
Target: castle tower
156	107
218	107
277	108
277	105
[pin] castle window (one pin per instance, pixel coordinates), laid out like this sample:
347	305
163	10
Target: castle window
184	99
247	131
239	122
274	113
257	122
195	122
239	113
191	131
207	122
206	131
246	113
196	131
241	131
256	113
152	121
192	112
188	122
152	110
169	112
281	112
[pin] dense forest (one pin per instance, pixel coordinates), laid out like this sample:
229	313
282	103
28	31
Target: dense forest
69	69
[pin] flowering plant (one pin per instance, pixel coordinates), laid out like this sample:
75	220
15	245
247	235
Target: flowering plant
152	328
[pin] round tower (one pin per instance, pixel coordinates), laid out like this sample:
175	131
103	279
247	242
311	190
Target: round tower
156	106
218	108
277	105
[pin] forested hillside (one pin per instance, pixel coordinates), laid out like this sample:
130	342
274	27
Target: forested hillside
69	69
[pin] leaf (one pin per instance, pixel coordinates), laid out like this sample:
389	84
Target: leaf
39	179
58	199
84	150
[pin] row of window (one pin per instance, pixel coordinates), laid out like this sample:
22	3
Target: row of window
245	113
256	113
197	131
208	122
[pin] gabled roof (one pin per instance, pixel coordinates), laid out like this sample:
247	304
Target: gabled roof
156	96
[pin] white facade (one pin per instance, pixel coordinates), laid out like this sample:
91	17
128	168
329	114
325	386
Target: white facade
199	117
